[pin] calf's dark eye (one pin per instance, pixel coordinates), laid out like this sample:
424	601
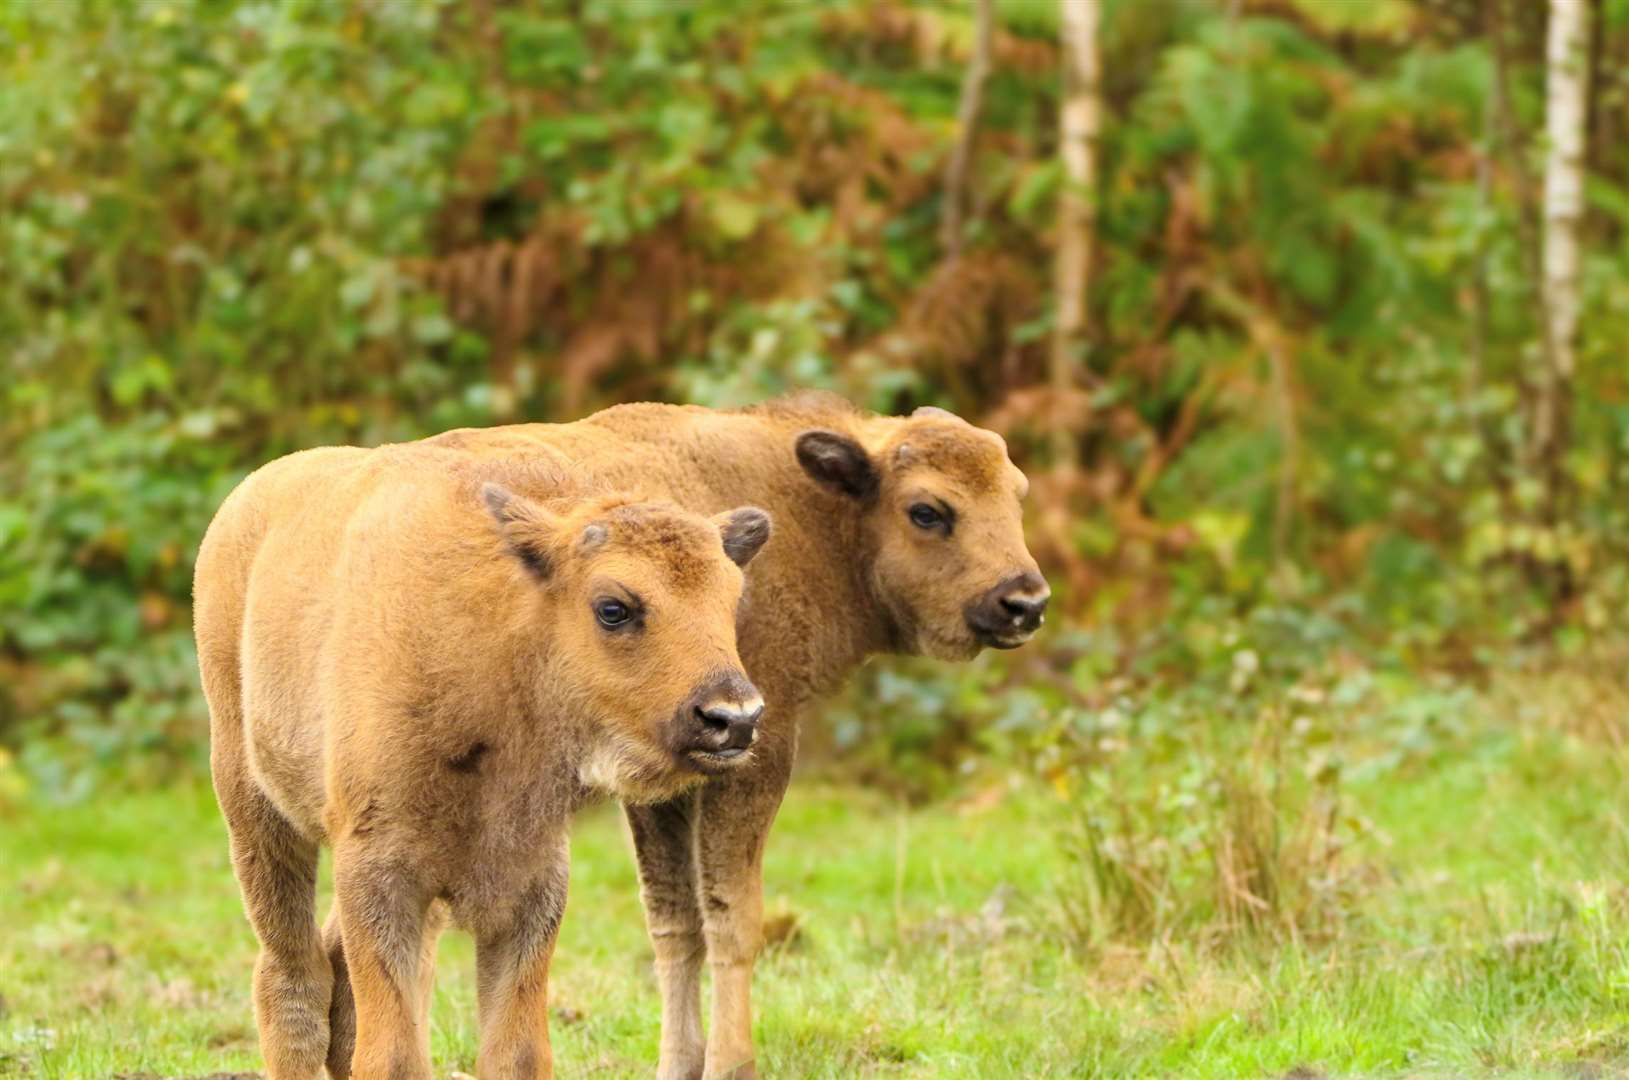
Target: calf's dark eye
924	516
612	613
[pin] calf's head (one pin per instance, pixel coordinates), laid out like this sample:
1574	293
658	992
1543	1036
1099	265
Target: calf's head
638	608
942	528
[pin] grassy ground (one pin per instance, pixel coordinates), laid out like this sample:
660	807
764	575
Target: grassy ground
1483	931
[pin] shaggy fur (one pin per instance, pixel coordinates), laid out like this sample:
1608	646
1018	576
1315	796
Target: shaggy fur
407	660
847	575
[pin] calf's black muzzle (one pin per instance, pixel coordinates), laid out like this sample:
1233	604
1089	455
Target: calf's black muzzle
718	723
1009	614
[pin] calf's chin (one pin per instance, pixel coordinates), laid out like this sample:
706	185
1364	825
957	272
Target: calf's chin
635	775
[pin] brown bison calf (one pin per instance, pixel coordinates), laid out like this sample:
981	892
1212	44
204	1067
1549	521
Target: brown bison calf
429	673
892	535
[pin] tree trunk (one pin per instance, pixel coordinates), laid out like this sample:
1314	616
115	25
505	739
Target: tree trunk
967	123
1509	145
1566	110
1079	123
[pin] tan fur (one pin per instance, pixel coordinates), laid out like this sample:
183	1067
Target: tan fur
846	576
403	660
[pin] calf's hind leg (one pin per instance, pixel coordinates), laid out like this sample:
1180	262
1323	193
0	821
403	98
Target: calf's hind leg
277	871
342	1006
736	813
664	844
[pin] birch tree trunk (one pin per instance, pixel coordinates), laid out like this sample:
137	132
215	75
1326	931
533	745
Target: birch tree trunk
1079	123
1565	114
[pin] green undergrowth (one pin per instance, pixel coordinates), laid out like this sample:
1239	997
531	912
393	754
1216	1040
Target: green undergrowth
1471	919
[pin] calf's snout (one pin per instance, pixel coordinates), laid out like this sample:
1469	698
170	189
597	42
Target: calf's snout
1009	613
719	722
726	725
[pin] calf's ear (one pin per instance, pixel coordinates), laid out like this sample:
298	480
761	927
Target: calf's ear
838	463
744	530
530	532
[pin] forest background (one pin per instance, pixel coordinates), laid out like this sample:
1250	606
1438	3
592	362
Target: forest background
1308	319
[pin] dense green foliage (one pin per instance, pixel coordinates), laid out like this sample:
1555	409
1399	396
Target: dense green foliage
231	230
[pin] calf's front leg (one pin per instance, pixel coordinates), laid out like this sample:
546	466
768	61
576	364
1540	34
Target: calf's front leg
736	813
382	909
513	946
342	1010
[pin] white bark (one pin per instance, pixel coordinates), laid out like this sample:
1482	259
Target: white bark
1566	110
1079	124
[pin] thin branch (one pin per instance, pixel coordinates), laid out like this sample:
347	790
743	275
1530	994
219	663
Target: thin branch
1278	359
1481	296
1511	147
1269	336
967	123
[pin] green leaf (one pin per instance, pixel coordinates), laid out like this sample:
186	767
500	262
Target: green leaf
734	216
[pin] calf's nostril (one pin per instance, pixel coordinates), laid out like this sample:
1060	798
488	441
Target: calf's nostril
1023	606
730	717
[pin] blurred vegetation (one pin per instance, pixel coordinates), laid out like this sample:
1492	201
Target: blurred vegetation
230	230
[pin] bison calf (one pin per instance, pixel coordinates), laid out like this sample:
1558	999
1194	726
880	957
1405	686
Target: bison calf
408	662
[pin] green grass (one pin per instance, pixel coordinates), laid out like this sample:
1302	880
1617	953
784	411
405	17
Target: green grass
1486	936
